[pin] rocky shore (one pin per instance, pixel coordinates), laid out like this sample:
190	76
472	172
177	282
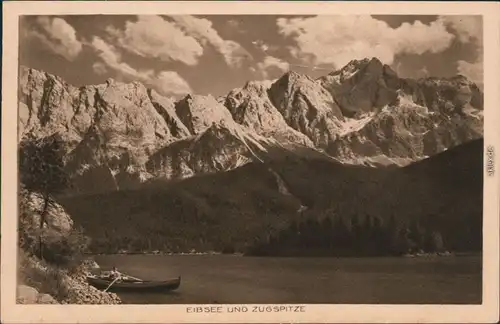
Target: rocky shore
61	277
430	254
40	283
157	252
29	295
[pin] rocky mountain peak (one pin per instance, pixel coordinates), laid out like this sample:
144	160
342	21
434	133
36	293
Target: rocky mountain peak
293	79
166	108
200	112
251	107
363	113
306	106
374	64
367	65
45	106
362	86
257	87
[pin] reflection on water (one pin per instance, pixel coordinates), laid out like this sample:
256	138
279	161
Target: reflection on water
235	279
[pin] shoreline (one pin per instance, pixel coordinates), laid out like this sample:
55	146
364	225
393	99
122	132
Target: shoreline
160	253
416	255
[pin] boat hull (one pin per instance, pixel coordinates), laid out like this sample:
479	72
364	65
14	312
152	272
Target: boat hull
139	286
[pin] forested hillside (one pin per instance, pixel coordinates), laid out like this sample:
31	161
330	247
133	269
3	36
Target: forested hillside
435	204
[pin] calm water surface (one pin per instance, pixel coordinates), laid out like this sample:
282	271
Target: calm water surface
234	279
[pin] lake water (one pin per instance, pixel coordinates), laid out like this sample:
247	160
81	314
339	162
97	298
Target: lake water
230	279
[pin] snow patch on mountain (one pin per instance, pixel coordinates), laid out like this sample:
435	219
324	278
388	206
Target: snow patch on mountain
355	124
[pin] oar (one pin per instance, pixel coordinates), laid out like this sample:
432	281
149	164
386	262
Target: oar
112	282
131	277
127	276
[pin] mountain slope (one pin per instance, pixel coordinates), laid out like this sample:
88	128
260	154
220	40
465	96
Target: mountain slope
208	212
218	148
241	207
407	119
106	128
407	132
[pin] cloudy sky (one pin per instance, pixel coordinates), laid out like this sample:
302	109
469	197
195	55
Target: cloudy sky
214	54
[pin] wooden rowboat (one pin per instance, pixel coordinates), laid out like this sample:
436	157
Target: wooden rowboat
135	285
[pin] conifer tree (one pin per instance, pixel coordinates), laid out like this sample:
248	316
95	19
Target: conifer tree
41	170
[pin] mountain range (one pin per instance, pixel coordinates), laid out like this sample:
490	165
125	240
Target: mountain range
153	172
122	135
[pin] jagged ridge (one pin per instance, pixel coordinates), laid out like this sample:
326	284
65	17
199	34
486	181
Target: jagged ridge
124	134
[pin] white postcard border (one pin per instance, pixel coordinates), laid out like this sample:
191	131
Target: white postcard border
13	313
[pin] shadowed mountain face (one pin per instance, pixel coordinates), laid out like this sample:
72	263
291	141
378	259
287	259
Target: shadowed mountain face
237	209
119	136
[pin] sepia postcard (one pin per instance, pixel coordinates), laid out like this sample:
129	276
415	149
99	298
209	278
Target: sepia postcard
250	162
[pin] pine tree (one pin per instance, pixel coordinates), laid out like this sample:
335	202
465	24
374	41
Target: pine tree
433	242
357	233
392	232
402	243
41	170
366	235
326	233
417	235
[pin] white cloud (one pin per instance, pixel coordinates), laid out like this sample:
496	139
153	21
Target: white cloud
57	35
473	71
418	38
180	39
467	27
112	58
423	72
166	82
338	39
271	62
154	37
99	68
171	82
234	54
